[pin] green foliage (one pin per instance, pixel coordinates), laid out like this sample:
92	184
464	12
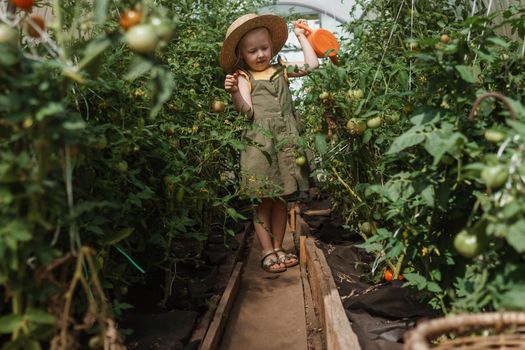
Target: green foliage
419	177
117	151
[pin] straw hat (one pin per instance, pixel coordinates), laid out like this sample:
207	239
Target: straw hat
242	25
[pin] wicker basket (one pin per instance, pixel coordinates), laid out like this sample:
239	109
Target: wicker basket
494	331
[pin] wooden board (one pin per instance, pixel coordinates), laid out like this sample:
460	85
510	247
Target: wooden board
338	333
224	278
200	331
320	212
214	333
292	219
315	339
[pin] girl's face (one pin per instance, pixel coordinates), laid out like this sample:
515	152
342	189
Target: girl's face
256	49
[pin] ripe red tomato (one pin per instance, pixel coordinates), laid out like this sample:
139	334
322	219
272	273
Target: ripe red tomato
388	275
25	5
30	28
400	277
130	18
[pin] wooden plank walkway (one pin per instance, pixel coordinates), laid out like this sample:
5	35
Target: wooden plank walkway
269	312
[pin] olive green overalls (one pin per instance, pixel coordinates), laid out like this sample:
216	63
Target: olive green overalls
268	163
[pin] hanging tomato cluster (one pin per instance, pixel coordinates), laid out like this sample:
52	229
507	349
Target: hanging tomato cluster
145	33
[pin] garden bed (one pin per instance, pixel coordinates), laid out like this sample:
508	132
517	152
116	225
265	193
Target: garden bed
194	321
380	314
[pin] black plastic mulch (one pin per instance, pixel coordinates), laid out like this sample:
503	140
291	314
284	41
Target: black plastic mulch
380	314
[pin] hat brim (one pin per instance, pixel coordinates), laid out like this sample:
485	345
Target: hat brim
278	34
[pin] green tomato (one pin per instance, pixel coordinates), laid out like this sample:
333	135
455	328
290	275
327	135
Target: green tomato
374	123
163	28
101	143
358	94
142	38
494	136
180	195
392	118
121	166
366	228
8	35
95	342
469	244
495	176
356	126
324	95
300	161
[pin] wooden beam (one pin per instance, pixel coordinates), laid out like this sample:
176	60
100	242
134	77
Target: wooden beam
302	252
336	326
200	330
292	218
213	335
320	212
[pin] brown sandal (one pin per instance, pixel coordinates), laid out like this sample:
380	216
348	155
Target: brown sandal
286	257
267	261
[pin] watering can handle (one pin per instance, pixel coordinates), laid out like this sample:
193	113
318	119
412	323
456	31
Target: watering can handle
305	27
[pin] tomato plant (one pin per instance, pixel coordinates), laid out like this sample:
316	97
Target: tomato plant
112	157
430	173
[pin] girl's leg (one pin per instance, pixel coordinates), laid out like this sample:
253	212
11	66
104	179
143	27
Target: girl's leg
279	212
279	219
262	224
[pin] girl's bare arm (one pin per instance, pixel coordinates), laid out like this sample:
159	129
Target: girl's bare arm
239	88
310	58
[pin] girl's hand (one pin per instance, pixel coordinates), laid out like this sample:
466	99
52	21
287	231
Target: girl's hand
231	83
298	31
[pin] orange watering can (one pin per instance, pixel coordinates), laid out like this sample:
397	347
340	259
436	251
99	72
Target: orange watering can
322	40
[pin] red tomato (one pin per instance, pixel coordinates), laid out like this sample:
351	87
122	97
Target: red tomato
25	5
130	18
31	30
388	275
400	277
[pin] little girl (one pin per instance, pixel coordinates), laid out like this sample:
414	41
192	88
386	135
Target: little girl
260	90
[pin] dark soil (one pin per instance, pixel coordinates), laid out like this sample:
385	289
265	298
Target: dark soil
169	327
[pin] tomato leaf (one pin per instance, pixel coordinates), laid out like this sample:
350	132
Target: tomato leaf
466	73
498	41
320	144
411	138
416	280
428	196
513	299
10	323
39	316
138	67
516	236
434	287
236	144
